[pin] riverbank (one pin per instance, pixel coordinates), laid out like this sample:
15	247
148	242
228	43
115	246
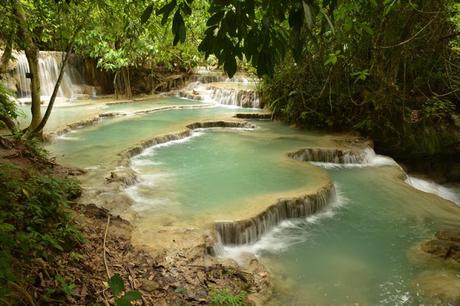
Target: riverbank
78	275
171	238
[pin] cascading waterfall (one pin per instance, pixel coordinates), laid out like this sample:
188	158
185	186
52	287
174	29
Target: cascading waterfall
247	231
49	64
207	78
207	92
235	97
332	155
337	157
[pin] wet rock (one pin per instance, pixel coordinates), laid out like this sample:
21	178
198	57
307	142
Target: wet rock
256	116
446	245
442	249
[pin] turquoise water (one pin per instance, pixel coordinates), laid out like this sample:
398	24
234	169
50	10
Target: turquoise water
65	113
360	251
84	147
219	170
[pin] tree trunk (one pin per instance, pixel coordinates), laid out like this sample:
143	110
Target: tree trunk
31	51
127	84
38	130
116	86
32	59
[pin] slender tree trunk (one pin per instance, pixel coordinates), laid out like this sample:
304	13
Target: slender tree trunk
32	59
42	123
116	85
127	84
31	51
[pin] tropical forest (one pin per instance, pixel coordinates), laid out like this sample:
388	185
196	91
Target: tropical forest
229	152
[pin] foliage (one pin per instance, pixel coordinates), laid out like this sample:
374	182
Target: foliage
8	110
117	286
221	297
128	34
7	105
33	222
384	68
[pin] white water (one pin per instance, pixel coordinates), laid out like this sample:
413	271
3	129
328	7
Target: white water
49	65
434	188
370	159
232	97
284	235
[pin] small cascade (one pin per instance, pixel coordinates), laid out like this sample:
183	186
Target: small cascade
49	64
238	97
207	78
335	157
434	188
248	231
235	97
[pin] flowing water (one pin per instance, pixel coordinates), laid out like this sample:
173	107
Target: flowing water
85	109
219	172
359	250
49	65
232	94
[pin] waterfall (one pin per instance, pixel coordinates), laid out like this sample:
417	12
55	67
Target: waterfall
247	231
207	78
335	157
225	94
235	97
284	235
49	64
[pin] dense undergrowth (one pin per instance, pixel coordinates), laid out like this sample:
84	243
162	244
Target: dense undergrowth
35	226
389	70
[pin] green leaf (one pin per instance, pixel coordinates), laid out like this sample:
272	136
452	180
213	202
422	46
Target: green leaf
116	284
132	295
166	11
178	28
122	302
215	19
180	290
52	241
230	65
147	13
308	14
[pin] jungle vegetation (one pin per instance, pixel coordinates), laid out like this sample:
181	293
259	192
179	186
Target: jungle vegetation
388	69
